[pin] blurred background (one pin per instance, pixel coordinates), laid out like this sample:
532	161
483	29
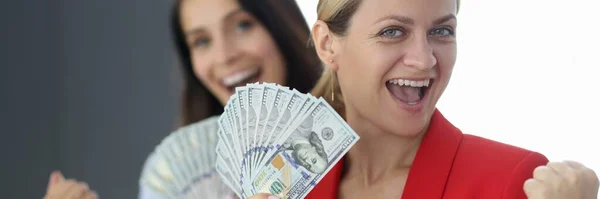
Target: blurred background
90	87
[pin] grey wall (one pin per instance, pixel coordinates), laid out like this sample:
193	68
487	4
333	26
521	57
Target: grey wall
88	87
29	100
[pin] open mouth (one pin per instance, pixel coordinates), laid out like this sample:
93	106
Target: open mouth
411	92
241	78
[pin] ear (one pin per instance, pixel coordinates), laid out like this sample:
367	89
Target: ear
323	40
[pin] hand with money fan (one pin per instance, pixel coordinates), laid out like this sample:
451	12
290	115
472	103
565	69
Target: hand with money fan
278	141
182	165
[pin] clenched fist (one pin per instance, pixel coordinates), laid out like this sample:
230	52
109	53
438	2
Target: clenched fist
60	188
562	180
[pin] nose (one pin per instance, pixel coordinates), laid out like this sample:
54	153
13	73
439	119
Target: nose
420	54
226	51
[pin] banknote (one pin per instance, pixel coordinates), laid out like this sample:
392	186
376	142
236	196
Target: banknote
273	119
183	164
297	107
267	101
255	93
309	150
279	141
288	109
241	115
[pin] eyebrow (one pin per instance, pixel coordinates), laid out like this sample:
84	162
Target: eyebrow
445	19
201	29
402	19
409	21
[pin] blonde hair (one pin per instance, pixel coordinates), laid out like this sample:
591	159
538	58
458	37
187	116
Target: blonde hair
336	14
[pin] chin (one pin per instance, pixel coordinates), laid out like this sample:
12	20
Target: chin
408	123
410	128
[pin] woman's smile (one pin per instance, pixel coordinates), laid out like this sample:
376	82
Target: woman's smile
411	94
241	78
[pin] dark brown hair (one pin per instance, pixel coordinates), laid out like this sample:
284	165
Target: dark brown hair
284	21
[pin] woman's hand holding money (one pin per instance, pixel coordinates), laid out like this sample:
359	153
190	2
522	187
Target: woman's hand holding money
562	180
59	188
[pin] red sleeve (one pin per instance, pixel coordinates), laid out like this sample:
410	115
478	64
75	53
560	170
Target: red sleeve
523	171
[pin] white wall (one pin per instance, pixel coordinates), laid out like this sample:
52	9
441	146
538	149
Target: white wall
525	75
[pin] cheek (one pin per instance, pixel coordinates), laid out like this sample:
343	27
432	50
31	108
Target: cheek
369	61
257	48
201	69
446	57
361	74
261	45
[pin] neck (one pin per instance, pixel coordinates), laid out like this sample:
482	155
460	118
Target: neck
378	154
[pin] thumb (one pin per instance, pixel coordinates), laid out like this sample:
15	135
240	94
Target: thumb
55	176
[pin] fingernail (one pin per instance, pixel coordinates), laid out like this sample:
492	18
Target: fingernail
53	177
60	175
273	197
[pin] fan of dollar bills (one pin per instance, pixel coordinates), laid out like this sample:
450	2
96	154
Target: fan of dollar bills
183	164
275	140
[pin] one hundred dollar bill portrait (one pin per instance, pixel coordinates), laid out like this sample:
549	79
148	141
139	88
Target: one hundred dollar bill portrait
305	149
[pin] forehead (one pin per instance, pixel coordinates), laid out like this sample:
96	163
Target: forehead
205	13
421	11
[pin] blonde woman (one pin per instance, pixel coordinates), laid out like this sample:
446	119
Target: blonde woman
388	63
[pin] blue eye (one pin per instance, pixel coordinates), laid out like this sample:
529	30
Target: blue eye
201	42
391	32
442	32
244	25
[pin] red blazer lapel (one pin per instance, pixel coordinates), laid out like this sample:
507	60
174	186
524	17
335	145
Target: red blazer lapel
430	170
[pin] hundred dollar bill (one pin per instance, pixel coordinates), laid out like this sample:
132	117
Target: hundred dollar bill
266	109
240	107
169	163
228	137
181	147
297	111
228	177
310	148
159	184
226	162
275	108
288	111
255	93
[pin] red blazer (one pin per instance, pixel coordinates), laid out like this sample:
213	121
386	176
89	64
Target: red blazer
453	165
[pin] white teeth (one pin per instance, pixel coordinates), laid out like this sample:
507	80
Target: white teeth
404	82
400	82
236	78
420	83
